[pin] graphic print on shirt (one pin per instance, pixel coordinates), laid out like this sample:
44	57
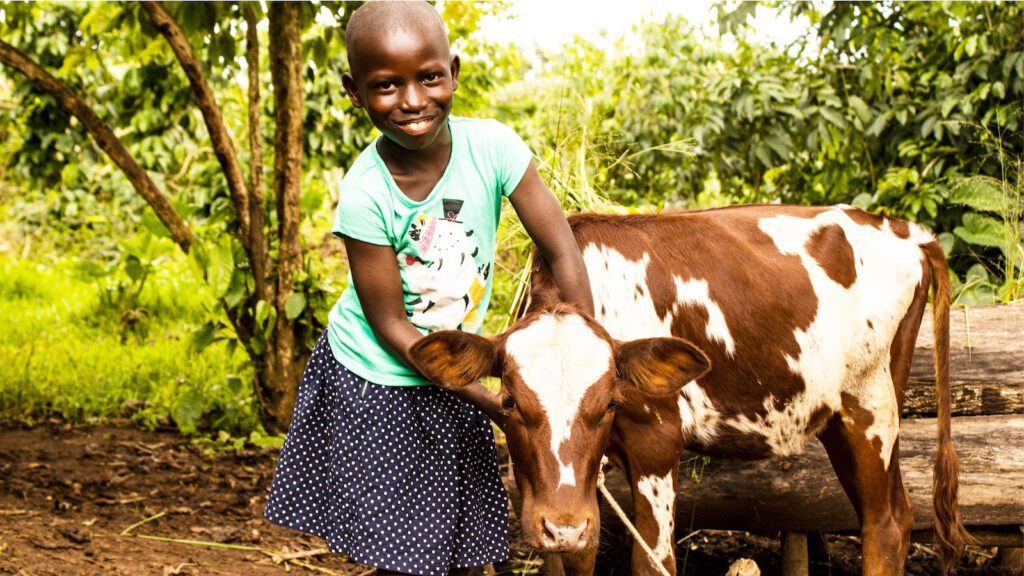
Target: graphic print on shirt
444	281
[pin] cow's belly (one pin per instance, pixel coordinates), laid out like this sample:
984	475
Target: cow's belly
777	430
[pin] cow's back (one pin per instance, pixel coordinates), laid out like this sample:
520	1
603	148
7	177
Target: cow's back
795	306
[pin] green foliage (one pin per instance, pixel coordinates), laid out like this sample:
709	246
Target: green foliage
910	109
63	359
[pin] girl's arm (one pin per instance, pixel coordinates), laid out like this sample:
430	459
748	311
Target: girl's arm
378	284
542	216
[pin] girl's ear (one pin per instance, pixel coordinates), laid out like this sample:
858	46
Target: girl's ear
350	87
456	65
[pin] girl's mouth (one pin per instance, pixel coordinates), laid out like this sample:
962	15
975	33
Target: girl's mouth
416	127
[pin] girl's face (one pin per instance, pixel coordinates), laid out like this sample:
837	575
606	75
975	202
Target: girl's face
405	81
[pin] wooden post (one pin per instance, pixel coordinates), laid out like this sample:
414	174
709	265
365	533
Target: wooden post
794	554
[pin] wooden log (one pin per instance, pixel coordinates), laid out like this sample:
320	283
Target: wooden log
801	493
986	363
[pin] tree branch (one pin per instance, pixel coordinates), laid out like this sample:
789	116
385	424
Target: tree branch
222	144
105	138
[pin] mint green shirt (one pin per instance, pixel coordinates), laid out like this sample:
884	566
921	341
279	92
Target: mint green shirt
444	244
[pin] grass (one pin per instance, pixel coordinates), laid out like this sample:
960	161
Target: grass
66	354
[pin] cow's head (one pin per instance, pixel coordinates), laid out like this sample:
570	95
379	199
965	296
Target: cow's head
561	376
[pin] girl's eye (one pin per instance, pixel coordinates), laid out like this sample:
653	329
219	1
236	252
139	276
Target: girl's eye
384	85
433	76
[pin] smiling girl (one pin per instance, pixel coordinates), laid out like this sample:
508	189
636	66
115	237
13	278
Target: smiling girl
392	471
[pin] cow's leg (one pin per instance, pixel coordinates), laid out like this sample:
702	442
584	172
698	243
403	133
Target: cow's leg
862	445
654	502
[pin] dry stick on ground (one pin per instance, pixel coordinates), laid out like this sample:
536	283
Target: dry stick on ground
277	556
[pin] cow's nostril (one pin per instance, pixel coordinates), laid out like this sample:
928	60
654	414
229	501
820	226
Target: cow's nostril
565	536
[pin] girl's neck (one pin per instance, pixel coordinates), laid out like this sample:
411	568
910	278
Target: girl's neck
404	161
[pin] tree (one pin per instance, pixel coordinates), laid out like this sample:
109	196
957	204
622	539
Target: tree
265	316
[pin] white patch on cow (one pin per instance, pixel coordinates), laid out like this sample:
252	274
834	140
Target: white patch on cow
622	298
838	351
566	474
559	359
785	430
698	416
696	292
660	494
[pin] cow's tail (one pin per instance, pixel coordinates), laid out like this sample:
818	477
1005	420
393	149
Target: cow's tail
950	534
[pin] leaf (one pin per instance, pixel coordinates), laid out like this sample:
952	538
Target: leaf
263	441
188	410
860	107
133	268
947	240
294	305
863	201
983	193
202	338
832	116
220	267
878	125
981	230
236	292
947	106
262	311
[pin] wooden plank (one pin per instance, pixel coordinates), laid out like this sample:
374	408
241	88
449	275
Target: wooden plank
986	363
801	493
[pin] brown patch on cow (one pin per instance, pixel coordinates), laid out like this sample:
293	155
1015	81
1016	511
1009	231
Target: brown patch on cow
818	419
865	218
901	350
870	325
832	251
899	227
764	295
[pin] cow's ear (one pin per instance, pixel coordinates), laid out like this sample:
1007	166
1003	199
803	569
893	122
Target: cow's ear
452	359
660	366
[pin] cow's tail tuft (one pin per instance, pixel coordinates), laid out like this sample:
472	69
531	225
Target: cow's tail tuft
950	534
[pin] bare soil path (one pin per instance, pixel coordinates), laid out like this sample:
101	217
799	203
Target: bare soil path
67	496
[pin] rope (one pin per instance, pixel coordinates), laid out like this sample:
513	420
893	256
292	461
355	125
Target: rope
622	516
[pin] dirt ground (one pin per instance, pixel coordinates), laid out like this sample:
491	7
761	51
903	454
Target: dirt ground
123	501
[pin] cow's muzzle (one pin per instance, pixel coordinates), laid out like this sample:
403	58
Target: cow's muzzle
557	537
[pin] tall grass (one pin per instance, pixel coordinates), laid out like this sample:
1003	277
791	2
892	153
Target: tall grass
64	354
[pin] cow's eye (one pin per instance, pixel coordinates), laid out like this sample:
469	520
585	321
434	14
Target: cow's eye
613	404
507	404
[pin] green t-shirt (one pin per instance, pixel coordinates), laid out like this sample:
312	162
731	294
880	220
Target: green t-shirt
444	244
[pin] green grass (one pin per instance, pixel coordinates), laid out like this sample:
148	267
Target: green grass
66	353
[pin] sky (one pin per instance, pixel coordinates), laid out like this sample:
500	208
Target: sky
548	24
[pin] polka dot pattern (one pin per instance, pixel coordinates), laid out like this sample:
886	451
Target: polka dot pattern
404	479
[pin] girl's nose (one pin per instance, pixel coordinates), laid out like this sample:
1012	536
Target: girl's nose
413	98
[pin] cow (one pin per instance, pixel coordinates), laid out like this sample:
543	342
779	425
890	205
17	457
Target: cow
737	332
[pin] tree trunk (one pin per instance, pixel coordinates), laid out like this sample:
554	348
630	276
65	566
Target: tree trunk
286	358
105	138
223	147
257	236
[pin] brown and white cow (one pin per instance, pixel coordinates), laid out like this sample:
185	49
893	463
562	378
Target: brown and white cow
738	332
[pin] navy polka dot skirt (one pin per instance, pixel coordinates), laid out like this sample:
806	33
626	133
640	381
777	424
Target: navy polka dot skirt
401	478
